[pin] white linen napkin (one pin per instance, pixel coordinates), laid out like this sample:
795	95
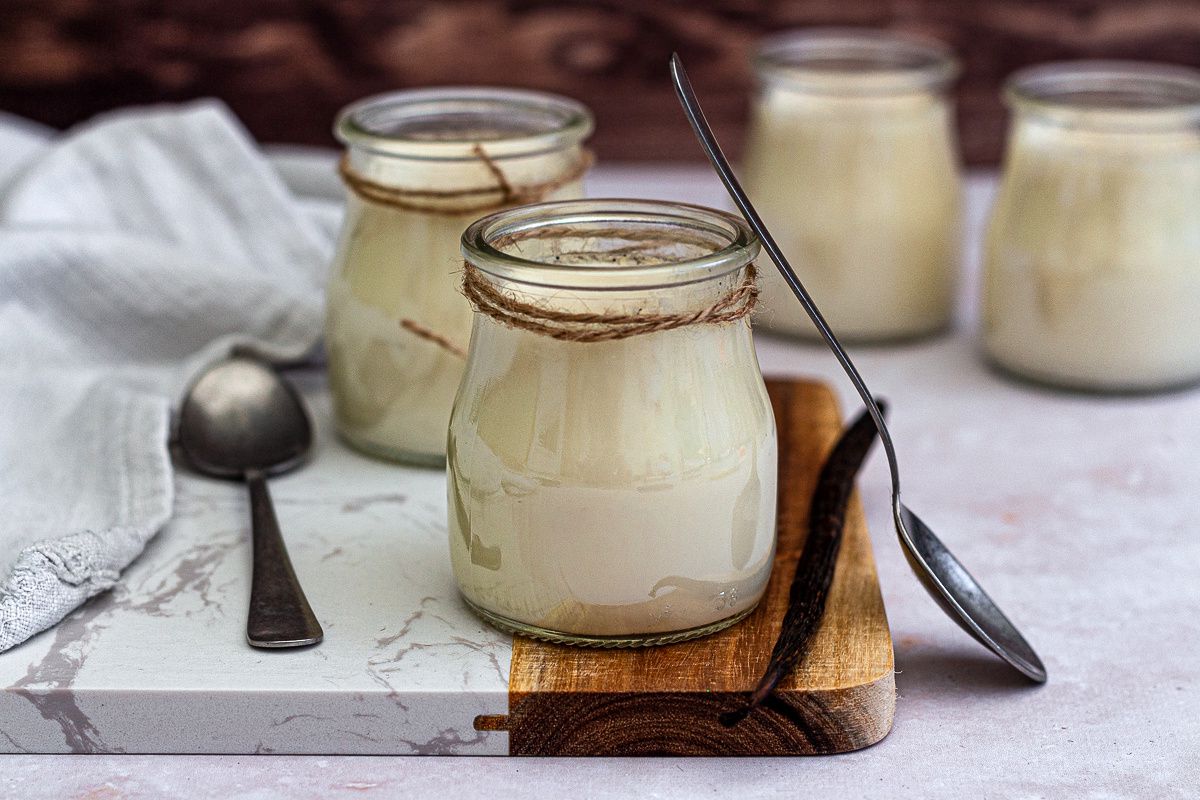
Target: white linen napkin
133	251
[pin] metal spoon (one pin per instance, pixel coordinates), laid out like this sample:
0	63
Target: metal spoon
241	420
943	576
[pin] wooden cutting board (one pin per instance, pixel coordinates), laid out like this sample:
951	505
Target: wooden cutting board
666	700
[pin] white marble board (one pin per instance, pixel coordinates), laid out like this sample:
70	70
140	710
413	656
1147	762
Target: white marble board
160	664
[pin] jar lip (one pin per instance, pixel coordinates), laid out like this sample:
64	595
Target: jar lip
856	61
740	244
1110	93
447	123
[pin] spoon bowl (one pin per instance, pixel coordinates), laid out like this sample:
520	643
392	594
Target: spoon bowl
242	420
961	596
240	415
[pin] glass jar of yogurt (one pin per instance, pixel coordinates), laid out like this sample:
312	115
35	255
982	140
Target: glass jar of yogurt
420	166
1093	251
612	455
852	161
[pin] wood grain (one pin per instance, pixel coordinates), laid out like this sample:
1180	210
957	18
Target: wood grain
665	700
286	66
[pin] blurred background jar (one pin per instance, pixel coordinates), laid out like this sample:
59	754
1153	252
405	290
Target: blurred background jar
612	463
852	161
1093	252
420	166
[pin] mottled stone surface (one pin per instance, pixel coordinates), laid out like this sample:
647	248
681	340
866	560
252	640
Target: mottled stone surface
1079	514
160	663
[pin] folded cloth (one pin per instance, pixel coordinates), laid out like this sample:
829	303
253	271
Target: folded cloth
134	250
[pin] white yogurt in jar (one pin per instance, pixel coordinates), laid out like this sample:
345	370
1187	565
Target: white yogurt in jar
422	165
1093	251
851	160
615	490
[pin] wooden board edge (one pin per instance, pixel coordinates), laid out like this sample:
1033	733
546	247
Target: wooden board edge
686	723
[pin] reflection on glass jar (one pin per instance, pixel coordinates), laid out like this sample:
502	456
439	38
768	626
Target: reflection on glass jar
1093	251
612	453
420	166
852	161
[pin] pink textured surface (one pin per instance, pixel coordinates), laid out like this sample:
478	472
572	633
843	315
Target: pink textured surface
1080	516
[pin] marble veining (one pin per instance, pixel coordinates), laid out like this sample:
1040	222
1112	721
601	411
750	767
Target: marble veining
405	668
48	684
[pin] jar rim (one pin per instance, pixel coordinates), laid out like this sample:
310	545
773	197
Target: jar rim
735	244
1118	94
448	123
856	61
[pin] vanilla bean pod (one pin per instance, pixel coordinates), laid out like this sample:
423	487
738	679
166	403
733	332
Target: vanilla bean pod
814	570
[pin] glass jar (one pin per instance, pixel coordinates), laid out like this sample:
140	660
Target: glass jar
420	166
852	160
1092	255
612	454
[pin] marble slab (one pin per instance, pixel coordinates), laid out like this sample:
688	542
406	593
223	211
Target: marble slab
160	664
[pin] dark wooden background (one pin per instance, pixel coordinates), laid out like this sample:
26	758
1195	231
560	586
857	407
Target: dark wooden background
286	66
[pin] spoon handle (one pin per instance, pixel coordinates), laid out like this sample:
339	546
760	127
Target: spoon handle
691	107
279	612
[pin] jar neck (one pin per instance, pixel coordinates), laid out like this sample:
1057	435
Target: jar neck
448	123
855	63
609	244
1091	142
718	299
479	183
588	268
1103	100
473	147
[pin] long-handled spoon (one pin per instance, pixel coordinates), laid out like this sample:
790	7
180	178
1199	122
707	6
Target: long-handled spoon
943	576
241	420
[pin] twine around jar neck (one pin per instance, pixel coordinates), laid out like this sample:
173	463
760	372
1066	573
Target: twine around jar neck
435	201
602	326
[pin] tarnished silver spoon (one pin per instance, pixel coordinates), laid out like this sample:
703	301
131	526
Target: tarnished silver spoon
241	420
948	581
